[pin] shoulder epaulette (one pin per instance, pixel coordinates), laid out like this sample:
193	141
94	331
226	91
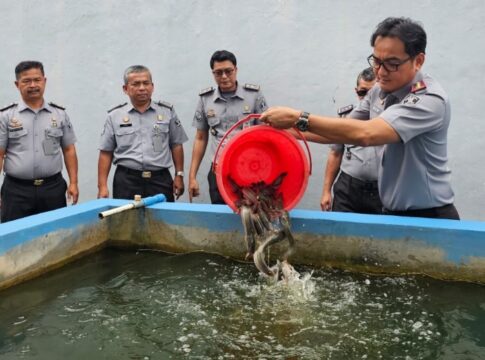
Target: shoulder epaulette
420	85
57	106
8	106
207	91
345	110
117	107
164	103
251	87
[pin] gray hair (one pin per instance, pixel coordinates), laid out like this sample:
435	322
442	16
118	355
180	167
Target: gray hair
135	69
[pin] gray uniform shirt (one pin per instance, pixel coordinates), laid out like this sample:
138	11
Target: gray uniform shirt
34	139
363	162
218	114
142	141
413	173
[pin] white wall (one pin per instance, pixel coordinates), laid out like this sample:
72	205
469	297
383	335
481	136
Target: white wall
304	54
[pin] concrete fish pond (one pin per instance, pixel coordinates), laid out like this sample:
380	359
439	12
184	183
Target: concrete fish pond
442	249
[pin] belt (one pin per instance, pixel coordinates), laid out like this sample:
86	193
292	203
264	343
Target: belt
146	174
364	184
35	182
438	211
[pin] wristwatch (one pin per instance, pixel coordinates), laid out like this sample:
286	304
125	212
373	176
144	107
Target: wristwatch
179	173
302	122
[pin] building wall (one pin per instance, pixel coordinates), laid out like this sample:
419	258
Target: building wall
304	54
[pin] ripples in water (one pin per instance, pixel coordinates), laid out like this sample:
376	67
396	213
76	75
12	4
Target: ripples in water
149	305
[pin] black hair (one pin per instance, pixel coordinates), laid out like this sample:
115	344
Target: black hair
222	55
367	75
27	65
408	31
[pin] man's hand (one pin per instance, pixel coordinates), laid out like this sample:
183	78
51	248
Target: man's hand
72	193
178	186
280	117
326	201
103	191
194	190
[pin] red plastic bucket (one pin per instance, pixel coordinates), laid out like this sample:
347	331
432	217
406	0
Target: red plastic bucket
261	153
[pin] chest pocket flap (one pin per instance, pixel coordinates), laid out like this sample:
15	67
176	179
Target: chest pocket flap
54	132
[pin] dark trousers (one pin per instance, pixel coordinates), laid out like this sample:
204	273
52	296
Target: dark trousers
127	183
216	197
22	198
442	212
354	195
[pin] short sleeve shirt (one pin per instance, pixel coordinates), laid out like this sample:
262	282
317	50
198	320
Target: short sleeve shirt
217	114
358	161
33	140
142	141
413	173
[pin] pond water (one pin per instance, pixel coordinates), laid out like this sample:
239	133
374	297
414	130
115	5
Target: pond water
150	305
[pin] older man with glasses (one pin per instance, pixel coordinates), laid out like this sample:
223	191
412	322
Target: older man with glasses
355	189
408	112
217	110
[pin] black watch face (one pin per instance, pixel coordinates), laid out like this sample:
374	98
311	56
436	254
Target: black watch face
302	125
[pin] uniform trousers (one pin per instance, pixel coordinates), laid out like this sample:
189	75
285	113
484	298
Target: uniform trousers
22	197
128	182
353	195
216	197
441	212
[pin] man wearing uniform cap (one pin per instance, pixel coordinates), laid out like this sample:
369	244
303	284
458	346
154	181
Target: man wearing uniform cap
217	110
408	111
356	187
143	139
34	137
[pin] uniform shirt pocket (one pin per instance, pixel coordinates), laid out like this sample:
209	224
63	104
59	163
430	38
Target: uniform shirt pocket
125	137
160	136
52	141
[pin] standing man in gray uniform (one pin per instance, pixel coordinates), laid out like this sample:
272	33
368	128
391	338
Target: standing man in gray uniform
356	187
34	136
217	110
142	138
408	111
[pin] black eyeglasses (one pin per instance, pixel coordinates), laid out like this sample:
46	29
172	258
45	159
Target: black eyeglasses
219	73
391	65
362	92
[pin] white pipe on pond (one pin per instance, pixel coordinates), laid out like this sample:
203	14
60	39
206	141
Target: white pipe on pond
137	203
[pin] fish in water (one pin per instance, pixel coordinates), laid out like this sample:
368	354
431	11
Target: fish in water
279	232
263	217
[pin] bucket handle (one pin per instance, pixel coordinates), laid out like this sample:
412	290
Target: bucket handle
246	119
